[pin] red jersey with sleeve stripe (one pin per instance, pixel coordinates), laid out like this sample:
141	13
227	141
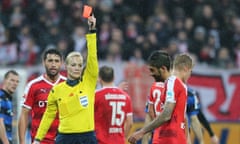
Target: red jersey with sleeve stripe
35	99
112	106
173	131
156	92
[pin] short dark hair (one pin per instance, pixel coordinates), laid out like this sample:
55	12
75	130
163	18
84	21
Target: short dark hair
106	73
51	51
10	72
160	58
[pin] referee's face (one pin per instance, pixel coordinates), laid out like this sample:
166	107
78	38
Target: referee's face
74	68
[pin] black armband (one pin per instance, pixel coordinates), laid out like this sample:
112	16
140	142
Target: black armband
92	30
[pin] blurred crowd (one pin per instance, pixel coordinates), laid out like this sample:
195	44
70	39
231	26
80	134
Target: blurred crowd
128	30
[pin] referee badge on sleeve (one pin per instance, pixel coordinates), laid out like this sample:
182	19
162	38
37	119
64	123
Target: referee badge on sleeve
84	101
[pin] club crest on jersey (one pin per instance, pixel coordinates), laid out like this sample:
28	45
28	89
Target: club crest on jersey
169	93
84	101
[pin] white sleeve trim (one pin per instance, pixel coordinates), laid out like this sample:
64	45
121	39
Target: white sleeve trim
26	106
129	114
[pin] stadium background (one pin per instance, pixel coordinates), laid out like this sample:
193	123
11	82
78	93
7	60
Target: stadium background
128	30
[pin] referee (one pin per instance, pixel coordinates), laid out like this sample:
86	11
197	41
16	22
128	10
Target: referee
74	98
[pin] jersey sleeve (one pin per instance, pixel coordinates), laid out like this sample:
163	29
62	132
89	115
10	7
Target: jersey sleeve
170	93
193	104
28	97
1	107
97	101
191	109
129	110
151	98
146	109
91	72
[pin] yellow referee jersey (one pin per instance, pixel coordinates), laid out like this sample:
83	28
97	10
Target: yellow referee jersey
74	104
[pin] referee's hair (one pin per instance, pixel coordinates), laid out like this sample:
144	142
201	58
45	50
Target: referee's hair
106	73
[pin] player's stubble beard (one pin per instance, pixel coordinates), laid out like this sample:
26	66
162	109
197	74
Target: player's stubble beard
158	78
51	75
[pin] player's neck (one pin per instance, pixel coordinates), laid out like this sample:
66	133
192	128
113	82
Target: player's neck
108	84
6	90
179	75
52	78
167	76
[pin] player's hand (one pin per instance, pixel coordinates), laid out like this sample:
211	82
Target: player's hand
5	141
123	85
22	142
135	137
214	139
92	22
36	142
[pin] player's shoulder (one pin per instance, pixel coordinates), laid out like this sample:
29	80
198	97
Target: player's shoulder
173	80
104	90
62	77
158	84
2	93
35	82
191	91
100	90
112	91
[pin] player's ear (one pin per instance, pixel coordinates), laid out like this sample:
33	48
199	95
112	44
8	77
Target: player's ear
163	67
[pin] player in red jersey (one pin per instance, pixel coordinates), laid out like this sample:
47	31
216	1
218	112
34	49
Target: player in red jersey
172	118
159	66
113	110
35	97
160	71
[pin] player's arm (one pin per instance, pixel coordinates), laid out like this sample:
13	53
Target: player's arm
3	134
147	137
207	126
197	129
91	71
23	124
48	116
129	116
205	123
162	118
187	129
148	119
151	111
128	124
158	121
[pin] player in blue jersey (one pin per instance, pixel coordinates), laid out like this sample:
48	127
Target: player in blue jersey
197	118
193	107
10	83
